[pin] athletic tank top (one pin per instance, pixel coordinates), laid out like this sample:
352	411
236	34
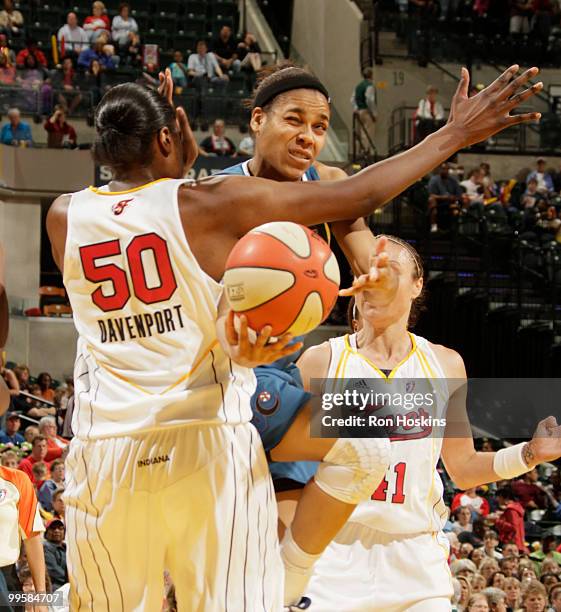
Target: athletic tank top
148	355
409	499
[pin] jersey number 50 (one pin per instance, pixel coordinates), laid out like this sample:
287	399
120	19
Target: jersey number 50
118	277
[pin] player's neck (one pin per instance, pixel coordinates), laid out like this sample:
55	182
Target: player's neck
260	168
136	177
384	345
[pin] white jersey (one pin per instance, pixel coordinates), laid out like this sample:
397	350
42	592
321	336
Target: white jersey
148	355
409	499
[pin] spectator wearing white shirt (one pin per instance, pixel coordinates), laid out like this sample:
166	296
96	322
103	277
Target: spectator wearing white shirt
474	186
203	68
123	26
247	146
73	36
430	114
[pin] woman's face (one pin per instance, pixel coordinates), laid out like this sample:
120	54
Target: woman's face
30	61
477	556
291	134
382	314
512	591
534	602
499	580
478	583
465	591
479	605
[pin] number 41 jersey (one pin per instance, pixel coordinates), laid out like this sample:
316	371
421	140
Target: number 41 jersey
148	355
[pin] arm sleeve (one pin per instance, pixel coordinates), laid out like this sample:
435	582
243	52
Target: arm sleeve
371	100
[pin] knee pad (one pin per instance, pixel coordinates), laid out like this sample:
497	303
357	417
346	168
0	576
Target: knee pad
353	468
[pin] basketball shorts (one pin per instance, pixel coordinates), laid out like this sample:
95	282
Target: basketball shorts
195	500
364	570
278	398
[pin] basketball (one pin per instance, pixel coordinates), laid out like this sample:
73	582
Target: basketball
283	275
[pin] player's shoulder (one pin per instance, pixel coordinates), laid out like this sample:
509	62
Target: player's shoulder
316	357
451	361
329	173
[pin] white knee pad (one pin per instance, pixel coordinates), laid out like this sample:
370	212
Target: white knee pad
353	468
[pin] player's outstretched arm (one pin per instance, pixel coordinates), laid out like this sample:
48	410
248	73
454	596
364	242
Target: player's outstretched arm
469	468
256	201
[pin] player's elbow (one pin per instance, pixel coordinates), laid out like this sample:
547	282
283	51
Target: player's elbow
4	397
460	477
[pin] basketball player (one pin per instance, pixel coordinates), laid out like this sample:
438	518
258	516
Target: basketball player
391	555
163	445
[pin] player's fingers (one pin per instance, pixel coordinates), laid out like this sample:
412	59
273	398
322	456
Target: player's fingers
518	82
502	81
231	335
243	341
383	260
283	341
263	336
523	118
190	147
523	96
288	350
381	244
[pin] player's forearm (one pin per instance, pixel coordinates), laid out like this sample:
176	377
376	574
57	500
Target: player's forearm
4	396
357	243
36	559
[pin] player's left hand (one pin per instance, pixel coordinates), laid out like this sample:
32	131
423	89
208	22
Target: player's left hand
381	276
251	355
190	146
545	445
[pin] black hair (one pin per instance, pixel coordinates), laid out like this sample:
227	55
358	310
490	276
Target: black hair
126	120
273	75
505	492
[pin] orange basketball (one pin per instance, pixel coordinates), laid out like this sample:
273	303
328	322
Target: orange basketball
284	275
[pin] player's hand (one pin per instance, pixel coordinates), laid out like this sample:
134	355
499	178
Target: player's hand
545	444
381	276
190	146
251	355
488	112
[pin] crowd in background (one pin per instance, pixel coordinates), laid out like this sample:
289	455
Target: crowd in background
505	538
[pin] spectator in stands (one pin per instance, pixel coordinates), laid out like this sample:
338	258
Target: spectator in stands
496	599
31	49
532	197
55	553
249	53
123	26
131	53
9	459
509	563
7	71
98	52
225	49
11	21
56	481
555	598
56	445
22	374
71	37
487	568
36	408
45	380
40	474
59	134
58	504
11	381
94	81
497	580
490	543
474	186
6	50
510	524
30	432
179	71
534	597
65	82
548	553
429	116
203	68
473	500
98	22
39	451
465	592
364	105
488	181
512	591
520	13
34	77
477	555
444	193
217	144
16	131
545	182
528	490
477	603
11	435
463	520
247	145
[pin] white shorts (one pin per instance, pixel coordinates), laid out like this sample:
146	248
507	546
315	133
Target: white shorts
364	570
196	500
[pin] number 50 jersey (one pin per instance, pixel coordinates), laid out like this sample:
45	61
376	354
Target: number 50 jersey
148	355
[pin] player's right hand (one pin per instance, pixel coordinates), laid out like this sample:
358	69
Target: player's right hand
545	445
252	354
